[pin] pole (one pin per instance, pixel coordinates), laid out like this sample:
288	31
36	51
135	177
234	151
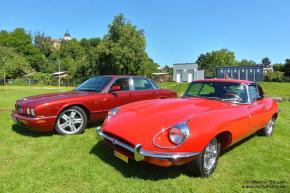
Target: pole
58	73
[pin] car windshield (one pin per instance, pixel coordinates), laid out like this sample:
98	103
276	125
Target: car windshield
94	84
223	91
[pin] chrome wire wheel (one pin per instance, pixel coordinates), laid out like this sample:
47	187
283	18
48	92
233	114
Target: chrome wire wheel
210	155
269	128
70	121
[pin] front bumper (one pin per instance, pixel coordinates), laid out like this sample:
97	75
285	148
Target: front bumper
34	123
140	153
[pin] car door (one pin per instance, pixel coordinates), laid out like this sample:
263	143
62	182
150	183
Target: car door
257	108
143	89
121	97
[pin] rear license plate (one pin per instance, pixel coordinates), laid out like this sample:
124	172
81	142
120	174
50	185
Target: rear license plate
121	156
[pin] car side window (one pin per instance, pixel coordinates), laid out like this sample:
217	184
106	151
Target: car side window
154	85
123	83
141	84
253	93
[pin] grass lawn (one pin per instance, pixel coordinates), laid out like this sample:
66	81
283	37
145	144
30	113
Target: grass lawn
47	162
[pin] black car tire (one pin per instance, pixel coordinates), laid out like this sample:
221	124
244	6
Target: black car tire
198	165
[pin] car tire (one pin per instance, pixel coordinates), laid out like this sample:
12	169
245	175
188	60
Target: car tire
71	121
269	129
205	163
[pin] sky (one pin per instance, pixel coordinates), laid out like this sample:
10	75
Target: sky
177	31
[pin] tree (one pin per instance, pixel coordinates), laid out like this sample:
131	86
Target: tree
212	60
122	50
44	44
245	62
21	42
286	68
278	67
266	62
12	64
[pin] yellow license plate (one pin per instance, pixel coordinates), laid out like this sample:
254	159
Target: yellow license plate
121	156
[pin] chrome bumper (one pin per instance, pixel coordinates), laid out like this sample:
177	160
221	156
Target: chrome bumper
140	153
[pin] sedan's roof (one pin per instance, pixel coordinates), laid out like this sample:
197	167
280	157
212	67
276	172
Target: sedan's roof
226	80
122	76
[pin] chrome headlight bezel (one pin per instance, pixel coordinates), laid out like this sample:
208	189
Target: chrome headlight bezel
164	135
179	133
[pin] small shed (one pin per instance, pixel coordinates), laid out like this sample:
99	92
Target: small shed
251	73
187	72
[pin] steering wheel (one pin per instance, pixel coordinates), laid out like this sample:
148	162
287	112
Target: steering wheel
235	96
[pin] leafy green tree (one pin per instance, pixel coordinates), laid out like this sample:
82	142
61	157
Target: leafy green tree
22	44
245	62
12	64
278	67
44	44
212	60
122	50
266	62
286	68
275	76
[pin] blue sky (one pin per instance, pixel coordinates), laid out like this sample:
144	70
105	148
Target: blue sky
176	30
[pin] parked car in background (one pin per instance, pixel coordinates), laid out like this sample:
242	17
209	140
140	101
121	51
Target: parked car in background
212	115
69	112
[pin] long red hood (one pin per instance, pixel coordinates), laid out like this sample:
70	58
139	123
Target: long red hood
139	122
45	98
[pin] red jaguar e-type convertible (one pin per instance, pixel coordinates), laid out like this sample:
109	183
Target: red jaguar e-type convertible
212	115
69	112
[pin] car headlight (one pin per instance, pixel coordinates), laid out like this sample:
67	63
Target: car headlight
32	111
178	133
27	111
112	113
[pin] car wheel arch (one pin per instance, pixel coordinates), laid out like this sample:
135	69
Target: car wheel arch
67	106
275	116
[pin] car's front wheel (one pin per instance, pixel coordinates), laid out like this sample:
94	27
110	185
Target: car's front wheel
269	129
205	164
71	121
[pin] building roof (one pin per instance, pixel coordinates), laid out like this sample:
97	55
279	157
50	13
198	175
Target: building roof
226	80
160	73
239	67
185	64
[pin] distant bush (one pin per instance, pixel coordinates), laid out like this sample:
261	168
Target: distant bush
275	76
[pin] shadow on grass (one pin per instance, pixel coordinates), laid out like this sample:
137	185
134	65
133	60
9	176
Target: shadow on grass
137	169
26	132
147	171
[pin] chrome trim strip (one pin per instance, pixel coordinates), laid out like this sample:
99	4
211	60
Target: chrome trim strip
139	152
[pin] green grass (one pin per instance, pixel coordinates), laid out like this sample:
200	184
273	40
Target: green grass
47	162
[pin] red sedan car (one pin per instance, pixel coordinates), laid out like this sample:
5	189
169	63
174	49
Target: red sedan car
69	112
211	116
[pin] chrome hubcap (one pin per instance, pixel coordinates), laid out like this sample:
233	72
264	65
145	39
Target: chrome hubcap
70	121
270	127
210	154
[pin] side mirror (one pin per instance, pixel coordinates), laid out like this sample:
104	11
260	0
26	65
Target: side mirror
115	88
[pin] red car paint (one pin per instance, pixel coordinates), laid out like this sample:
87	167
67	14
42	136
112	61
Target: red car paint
96	104
140	122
